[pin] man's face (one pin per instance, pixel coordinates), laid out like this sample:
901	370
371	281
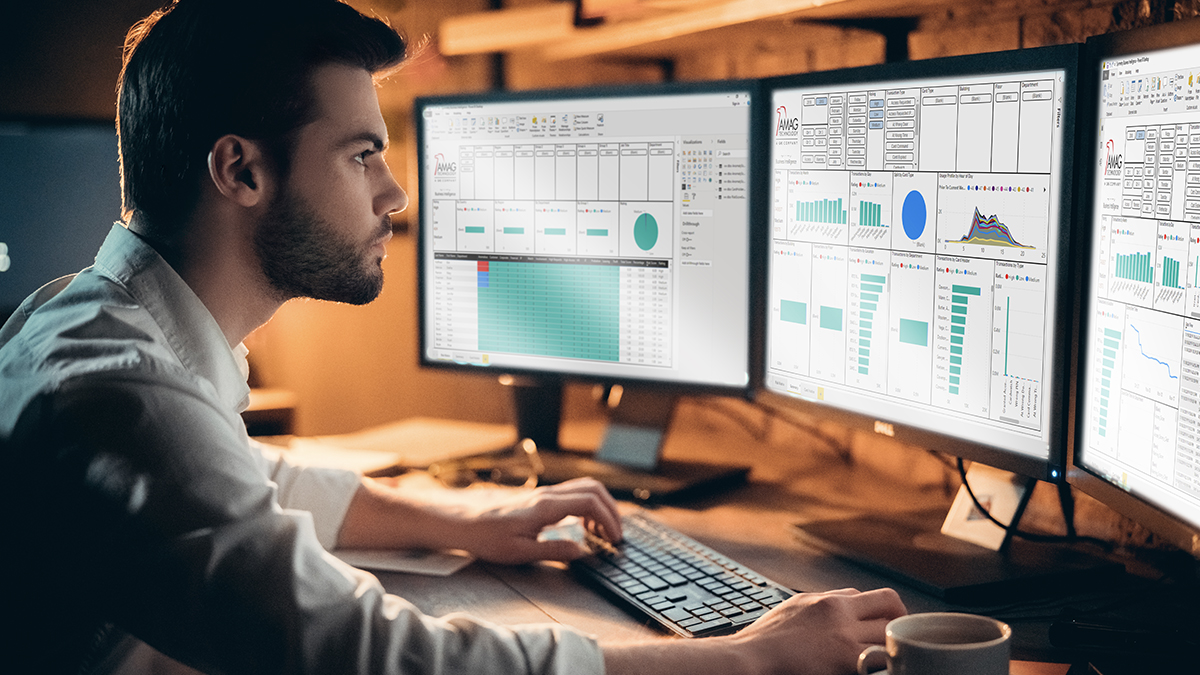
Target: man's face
326	233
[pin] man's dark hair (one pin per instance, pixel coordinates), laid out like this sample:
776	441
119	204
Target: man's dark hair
197	70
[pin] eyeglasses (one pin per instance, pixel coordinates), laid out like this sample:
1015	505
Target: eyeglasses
521	467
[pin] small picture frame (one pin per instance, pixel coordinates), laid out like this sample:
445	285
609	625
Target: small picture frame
1000	492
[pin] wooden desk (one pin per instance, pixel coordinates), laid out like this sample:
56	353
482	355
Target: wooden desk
795	478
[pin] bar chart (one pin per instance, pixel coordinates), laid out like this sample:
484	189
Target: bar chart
1172	249
1108	326
818	206
871	208
827	312
870	300
791	272
910	335
963	344
1019	324
1130	249
1134	267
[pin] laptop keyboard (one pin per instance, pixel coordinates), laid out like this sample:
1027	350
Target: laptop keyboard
682	584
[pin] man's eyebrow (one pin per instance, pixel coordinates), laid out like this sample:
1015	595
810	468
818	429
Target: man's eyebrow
369	136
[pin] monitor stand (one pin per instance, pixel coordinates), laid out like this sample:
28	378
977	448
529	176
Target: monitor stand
912	549
628	461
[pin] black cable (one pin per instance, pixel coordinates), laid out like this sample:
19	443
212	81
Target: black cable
1029	536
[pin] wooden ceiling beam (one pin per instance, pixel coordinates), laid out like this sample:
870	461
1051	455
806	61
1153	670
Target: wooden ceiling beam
626	34
505	30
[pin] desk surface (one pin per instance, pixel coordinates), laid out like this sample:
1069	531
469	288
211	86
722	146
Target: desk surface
795	478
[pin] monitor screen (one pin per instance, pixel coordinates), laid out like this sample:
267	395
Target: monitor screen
918	247
594	234
1139	415
60	192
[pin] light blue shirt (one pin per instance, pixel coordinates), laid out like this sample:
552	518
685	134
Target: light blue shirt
136	500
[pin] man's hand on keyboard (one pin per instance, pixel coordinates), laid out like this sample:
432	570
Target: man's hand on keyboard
809	634
824	631
507	531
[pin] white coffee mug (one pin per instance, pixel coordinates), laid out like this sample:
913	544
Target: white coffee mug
943	643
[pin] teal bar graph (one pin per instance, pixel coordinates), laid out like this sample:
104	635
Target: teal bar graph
793	312
914	332
870	288
823	211
514	230
960	296
597	233
1170	273
870	214
475	229
1112	341
831	318
1134	267
556	230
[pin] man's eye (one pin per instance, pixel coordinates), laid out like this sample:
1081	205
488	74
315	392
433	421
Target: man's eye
361	157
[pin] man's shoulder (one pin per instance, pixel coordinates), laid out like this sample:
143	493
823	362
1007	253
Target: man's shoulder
91	329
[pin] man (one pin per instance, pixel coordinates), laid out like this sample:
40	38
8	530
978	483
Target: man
251	145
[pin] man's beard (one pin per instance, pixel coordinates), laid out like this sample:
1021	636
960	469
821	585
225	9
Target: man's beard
302	256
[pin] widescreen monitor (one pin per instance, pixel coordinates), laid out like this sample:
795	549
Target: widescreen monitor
918	285
600	235
918	253
1138	437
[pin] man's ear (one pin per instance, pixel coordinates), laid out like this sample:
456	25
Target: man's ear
239	170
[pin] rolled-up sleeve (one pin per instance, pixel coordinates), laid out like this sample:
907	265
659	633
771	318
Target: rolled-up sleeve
325	492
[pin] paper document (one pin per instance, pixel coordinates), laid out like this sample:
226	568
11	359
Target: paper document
431	563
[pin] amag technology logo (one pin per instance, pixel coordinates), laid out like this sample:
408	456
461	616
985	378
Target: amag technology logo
786	127
1112	159
442	168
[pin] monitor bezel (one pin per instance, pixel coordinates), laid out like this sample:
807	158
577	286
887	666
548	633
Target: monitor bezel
757	214
1179	532
1053	468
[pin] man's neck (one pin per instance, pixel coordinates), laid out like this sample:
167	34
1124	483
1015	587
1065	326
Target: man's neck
223	271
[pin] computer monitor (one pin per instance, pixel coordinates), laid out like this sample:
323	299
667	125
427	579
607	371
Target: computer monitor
60	192
1138	419
598	235
918	280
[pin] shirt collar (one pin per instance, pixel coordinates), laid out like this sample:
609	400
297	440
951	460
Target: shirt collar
189	328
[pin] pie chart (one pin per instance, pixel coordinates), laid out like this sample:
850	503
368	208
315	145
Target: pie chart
913	215
645	231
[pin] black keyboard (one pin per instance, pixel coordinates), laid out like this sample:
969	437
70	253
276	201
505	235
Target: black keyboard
682	584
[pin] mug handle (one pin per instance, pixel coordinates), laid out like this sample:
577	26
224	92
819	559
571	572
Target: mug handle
866	654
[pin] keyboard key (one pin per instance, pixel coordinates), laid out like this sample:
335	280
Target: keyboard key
753	614
676	614
712	625
654	583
